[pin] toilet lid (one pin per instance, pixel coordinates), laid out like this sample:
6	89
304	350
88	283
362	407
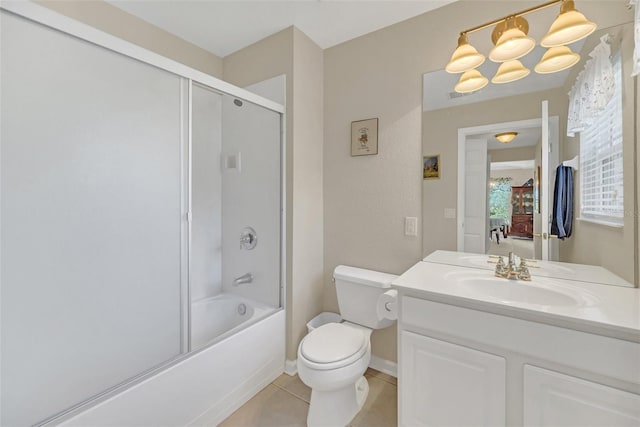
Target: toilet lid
332	343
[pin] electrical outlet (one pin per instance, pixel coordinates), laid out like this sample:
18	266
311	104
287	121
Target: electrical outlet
411	226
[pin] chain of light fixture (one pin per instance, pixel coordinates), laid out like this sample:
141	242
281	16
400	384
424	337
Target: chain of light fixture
511	42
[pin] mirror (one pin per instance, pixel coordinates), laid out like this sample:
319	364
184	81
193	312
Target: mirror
508	188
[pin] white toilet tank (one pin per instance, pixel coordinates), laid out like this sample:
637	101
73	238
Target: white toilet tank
358	291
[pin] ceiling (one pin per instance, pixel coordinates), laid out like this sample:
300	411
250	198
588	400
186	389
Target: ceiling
527	137
223	27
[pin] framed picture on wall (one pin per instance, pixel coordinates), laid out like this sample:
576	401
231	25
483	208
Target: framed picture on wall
364	137
431	167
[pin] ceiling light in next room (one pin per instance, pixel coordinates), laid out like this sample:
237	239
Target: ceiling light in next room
506	137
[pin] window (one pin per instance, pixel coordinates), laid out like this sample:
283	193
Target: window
500	198
601	187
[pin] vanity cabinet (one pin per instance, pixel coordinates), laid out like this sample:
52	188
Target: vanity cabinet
460	365
522	212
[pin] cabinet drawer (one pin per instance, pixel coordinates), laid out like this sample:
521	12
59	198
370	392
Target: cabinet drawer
615	358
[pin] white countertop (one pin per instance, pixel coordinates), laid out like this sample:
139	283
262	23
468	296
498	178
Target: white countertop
601	309
560	270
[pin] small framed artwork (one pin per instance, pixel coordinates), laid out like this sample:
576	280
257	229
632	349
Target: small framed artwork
364	137
431	167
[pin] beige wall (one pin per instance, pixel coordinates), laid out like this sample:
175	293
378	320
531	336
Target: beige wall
512	154
110	19
292	53
308	222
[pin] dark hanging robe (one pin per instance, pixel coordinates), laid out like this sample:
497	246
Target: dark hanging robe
562	221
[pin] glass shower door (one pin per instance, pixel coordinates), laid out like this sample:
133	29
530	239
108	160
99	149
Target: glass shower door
92	219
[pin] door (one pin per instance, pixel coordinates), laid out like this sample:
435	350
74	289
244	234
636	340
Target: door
476	218
444	384
549	160
554	399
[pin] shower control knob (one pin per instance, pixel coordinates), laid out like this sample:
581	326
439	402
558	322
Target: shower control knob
248	238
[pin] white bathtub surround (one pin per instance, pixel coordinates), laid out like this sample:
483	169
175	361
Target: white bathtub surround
203	389
547	352
223	315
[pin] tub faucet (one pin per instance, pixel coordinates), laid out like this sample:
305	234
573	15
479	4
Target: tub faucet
245	278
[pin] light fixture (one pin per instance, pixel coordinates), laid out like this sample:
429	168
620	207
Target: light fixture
506	137
471	81
510	71
465	57
511	40
570	26
556	59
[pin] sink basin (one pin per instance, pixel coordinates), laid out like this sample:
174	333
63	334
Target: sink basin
546	268
537	293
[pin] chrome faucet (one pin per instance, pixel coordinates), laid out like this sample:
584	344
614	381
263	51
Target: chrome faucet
510	271
245	278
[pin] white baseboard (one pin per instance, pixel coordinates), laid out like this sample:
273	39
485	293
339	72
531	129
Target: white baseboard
384	365
291	367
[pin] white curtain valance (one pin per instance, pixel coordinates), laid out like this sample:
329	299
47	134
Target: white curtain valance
593	89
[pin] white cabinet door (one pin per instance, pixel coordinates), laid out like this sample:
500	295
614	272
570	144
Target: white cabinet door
443	384
554	399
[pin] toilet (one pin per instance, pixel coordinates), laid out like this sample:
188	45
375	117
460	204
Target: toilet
333	358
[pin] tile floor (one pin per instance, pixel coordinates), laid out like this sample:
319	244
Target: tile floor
285	402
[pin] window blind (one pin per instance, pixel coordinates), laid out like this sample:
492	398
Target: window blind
601	184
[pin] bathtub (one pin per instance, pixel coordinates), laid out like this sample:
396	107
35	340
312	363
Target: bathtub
217	317
247	352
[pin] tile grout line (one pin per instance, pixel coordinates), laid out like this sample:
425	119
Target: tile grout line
382	379
290	392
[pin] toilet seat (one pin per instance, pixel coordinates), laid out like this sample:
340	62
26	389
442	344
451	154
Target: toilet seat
333	346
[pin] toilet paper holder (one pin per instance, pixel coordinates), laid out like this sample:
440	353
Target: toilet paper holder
387	307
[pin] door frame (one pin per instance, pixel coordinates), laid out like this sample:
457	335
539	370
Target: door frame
463	133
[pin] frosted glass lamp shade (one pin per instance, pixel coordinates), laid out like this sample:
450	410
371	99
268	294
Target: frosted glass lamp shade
510	71
570	26
556	59
471	81
506	137
465	57
512	44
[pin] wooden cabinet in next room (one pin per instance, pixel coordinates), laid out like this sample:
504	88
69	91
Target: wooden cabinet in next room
522	212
